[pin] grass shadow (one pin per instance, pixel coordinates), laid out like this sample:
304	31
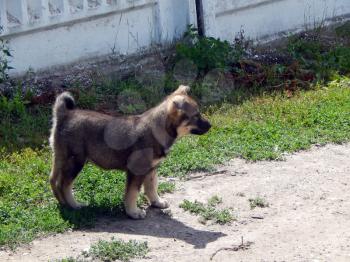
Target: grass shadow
86	217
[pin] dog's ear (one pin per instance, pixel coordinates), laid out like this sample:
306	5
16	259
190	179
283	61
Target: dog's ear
177	103
182	90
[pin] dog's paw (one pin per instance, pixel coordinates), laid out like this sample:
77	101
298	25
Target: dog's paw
162	204
77	206
136	213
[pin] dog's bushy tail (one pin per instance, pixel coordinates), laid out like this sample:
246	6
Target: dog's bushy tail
64	102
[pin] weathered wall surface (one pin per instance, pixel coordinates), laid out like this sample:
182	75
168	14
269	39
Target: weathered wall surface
47	34
267	19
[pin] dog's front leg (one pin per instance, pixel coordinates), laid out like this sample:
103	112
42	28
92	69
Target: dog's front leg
151	191
133	187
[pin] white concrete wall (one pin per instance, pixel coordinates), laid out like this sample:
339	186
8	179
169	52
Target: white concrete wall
42	39
52	33
268	18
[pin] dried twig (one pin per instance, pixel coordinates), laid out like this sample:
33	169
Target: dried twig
220	172
242	246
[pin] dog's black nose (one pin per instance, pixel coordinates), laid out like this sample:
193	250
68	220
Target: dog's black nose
205	126
209	126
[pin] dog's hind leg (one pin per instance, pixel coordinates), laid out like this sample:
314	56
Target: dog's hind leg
151	187
70	172
56	180
133	187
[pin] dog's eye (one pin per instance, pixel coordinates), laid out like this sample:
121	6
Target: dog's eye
196	116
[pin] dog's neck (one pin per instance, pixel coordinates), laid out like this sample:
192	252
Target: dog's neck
162	130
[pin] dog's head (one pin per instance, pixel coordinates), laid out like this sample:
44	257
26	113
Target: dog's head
184	114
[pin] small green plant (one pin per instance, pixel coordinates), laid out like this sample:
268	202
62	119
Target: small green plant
166	187
223	217
258	202
207	53
117	250
111	251
209	211
214	201
195	207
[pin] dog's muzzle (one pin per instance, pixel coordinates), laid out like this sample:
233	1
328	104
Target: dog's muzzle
203	127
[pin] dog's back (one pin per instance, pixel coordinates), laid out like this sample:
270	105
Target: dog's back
81	134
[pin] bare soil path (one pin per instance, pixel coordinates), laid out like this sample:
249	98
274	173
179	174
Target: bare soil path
308	218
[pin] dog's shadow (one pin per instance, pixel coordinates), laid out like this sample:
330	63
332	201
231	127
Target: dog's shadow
157	224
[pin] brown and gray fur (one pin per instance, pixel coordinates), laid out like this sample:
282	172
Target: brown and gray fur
134	144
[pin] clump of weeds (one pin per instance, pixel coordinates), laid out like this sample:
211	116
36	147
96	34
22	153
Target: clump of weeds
208	211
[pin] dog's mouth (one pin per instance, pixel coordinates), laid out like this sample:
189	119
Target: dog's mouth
202	128
198	132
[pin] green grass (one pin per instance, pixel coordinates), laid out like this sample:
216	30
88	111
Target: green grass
258	202
166	187
111	251
208	211
28	208
266	127
118	250
193	207
21	127
260	128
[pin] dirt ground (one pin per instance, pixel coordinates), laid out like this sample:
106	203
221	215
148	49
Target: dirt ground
308	218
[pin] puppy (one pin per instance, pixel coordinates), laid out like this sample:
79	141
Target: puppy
134	144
